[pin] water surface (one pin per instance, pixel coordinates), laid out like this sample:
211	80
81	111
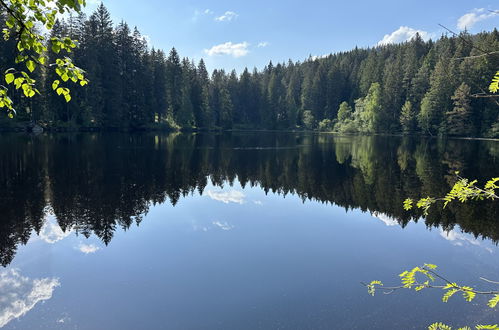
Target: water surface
236	231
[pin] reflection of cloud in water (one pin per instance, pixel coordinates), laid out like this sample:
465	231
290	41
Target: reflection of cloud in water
223	225
51	232
387	220
18	294
258	202
233	196
88	248
215	225
458	238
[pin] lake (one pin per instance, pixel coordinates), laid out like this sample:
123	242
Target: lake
237	231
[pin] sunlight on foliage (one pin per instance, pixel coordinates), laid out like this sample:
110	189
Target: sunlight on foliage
441	326
494	86
23	17
411	279
463	190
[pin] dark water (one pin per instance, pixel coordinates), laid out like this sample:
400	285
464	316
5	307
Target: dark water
236	231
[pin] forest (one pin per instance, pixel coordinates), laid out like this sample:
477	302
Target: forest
417	87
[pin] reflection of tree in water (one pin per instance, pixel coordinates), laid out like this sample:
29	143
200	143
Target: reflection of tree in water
95	184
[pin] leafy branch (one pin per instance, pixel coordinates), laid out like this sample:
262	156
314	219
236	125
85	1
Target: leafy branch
494	86
463	190
426	277
23	17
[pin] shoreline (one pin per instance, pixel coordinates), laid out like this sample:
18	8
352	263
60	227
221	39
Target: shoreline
26	130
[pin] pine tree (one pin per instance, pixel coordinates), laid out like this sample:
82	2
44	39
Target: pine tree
174	85
408	117
458	119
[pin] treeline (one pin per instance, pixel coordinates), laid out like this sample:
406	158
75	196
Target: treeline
413	87
116	178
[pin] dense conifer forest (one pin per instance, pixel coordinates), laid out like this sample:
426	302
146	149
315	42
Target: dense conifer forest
415	87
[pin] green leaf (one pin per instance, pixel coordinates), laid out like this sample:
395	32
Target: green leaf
493	302
67	97
9	78
55	84
468	294
449	294
439	326
31	65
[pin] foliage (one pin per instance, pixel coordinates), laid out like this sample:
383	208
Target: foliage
441	326
21	21
325	125
344	112
494	85
458	119
408	117
134	86
308	119
463	190
425	277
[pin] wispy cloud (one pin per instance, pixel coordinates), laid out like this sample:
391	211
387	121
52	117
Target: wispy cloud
198	13
227	17
402	34
20	294
263	44
223	225
468	20
228	48
233	196
88	248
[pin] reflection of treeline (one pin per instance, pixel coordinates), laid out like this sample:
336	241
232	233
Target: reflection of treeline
95	184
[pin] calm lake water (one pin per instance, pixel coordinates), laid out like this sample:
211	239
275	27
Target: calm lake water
236	231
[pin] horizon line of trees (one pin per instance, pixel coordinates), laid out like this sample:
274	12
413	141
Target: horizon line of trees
414	87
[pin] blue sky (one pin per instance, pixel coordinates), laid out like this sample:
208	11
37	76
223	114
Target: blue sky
235	34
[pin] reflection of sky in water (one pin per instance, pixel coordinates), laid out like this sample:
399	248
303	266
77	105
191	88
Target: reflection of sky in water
19	294
240	259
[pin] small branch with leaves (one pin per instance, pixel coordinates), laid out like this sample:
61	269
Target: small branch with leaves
463	191
22	18
426	277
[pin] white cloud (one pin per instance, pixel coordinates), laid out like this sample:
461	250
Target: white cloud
263	44
317	57
88	248
51	232
468	20
18	294
404	33
389	221
228	48
223	225
458	238
233	196
258	202
227	17
199	13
